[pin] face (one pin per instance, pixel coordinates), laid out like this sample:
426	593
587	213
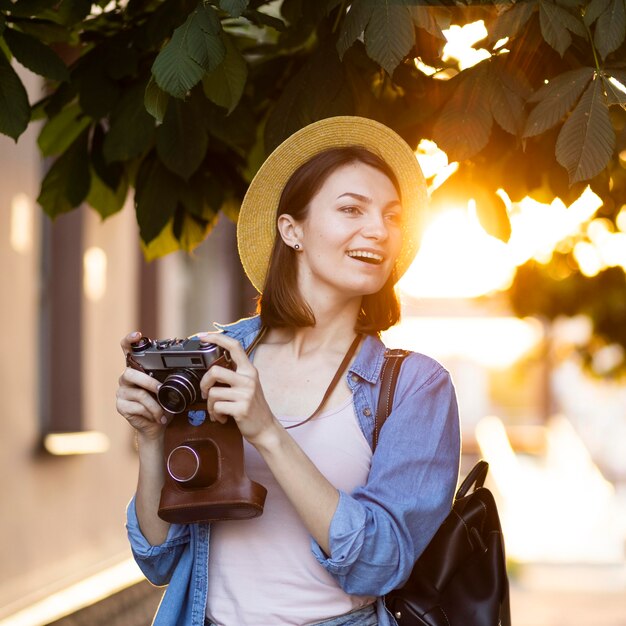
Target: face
352	234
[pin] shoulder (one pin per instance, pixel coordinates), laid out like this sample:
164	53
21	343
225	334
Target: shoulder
417	369
420	370
244	330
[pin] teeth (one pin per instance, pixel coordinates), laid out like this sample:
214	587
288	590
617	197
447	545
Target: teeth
362	254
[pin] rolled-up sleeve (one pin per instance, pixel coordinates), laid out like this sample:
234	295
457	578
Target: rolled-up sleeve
379	530
156	562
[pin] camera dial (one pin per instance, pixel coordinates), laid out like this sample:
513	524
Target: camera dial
141	345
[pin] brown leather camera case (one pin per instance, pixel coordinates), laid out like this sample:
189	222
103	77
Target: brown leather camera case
205	478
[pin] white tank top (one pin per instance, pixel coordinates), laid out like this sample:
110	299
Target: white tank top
262	571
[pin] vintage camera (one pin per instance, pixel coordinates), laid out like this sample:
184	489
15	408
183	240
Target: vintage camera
205	478
179	364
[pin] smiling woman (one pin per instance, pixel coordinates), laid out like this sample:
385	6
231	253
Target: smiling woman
327	227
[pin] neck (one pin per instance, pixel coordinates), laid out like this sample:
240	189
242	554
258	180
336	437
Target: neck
333	330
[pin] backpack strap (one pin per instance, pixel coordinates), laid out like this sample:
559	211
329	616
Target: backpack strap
389	378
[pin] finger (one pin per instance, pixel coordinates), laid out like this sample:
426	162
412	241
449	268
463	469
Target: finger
127	341
143	397
218	375
133	377
232	346
132	410
220	412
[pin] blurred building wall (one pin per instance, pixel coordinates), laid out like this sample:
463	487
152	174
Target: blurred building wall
63	516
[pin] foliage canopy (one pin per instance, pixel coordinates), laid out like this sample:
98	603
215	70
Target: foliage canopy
181	100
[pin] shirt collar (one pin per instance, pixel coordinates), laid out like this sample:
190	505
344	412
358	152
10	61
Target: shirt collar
367	364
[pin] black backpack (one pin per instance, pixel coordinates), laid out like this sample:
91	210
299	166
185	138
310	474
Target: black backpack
460	579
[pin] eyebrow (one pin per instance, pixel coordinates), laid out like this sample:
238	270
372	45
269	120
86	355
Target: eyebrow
366	199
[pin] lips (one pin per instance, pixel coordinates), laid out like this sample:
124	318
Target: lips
373	258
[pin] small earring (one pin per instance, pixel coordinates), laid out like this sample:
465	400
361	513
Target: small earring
296	246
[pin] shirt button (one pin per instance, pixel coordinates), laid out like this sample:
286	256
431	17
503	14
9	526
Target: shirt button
367	412
355	378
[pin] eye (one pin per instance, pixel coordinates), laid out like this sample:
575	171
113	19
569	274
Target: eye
394	217
350	209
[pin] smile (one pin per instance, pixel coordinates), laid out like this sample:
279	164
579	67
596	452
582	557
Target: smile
367	257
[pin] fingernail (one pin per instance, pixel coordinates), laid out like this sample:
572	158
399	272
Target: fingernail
135	334
164	420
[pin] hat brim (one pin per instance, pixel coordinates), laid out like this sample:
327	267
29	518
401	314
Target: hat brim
256	226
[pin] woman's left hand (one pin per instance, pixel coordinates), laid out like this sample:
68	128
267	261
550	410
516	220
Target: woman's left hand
242	397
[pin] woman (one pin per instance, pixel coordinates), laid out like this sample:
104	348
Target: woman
327	227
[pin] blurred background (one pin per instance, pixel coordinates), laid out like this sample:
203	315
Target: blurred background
542	399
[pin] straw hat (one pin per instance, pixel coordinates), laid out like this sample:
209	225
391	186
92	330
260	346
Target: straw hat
256	227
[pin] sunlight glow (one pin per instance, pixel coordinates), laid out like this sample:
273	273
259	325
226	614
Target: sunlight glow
22	223
551	483
461	40
434	164
85	442
457	258
495	342
80	595
94	273
621	219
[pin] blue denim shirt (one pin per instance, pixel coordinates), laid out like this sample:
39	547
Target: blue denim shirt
377	531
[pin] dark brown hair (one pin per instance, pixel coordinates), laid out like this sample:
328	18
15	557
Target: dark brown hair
281	303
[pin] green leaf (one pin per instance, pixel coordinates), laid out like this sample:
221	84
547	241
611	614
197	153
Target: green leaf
463	127
556	24
263	19
510	20
224	85
610	28
97	92
354	24
36	56
186	235
507	107
318	90
389	35
182	138
234	7
30	8
46	32
14	107
195	48
425	17
585	143
60	132
594	9
156	100
111	174
68	12
556	99
156	197
103	199
132	127
492	215
67	182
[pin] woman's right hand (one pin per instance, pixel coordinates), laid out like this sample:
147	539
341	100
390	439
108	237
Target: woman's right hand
136	397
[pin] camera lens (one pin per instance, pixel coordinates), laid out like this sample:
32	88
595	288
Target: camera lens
178	391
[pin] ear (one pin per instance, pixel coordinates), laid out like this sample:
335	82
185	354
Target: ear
289	229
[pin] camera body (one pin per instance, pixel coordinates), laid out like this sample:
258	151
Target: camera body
179	364
205	478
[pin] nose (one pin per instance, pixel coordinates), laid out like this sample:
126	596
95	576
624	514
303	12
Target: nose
375	227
